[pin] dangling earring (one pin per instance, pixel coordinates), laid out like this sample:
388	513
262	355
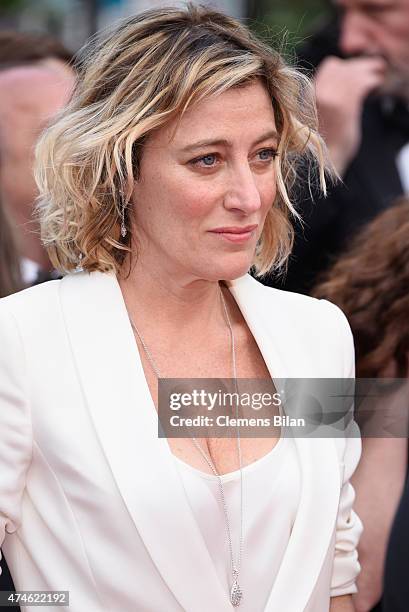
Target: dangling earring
124	231
78	267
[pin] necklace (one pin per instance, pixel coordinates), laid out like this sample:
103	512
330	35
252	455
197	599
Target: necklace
236	593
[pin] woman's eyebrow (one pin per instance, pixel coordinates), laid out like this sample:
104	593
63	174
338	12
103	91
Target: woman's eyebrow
226	143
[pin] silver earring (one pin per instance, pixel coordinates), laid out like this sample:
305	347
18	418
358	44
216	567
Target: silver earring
78	267
124	231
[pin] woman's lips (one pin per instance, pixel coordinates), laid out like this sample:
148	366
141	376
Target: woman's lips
235	234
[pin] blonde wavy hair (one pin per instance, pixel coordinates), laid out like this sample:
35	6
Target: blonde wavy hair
135	79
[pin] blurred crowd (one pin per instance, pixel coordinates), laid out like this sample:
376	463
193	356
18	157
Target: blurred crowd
35	82
352	247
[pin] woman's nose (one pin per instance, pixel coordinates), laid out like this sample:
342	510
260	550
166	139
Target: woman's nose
242	193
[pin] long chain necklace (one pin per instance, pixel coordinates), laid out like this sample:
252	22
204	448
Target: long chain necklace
236	593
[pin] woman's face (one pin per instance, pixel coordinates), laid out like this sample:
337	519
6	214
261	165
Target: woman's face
206	184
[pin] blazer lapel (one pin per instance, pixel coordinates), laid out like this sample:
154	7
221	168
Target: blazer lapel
126	422
316	516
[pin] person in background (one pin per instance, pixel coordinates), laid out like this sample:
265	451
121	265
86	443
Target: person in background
370	283
10	274
361	63
396	585
35	83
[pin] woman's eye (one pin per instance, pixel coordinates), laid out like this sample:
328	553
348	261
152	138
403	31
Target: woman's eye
211	159
267	154
207	161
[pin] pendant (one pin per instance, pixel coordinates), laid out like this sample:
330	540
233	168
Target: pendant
235	594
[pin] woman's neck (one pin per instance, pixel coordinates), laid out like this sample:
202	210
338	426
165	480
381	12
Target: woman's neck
171	301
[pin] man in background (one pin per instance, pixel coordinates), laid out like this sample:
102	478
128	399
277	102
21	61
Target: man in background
361	74
35	83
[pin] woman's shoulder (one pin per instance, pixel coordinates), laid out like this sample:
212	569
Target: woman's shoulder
294	305
45	297
38	312
315	329
27	302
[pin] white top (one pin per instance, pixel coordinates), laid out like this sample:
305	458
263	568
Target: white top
271	490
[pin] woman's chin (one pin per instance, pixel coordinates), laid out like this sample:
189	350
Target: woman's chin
228	272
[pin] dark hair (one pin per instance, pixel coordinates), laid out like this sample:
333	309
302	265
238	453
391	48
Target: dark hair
370	284
19	48
10	275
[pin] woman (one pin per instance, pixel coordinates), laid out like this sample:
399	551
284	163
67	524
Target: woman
165	181
370	284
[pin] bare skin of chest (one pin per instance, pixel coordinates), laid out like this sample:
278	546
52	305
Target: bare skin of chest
209	364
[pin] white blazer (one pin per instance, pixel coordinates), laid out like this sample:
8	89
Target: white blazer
91	500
